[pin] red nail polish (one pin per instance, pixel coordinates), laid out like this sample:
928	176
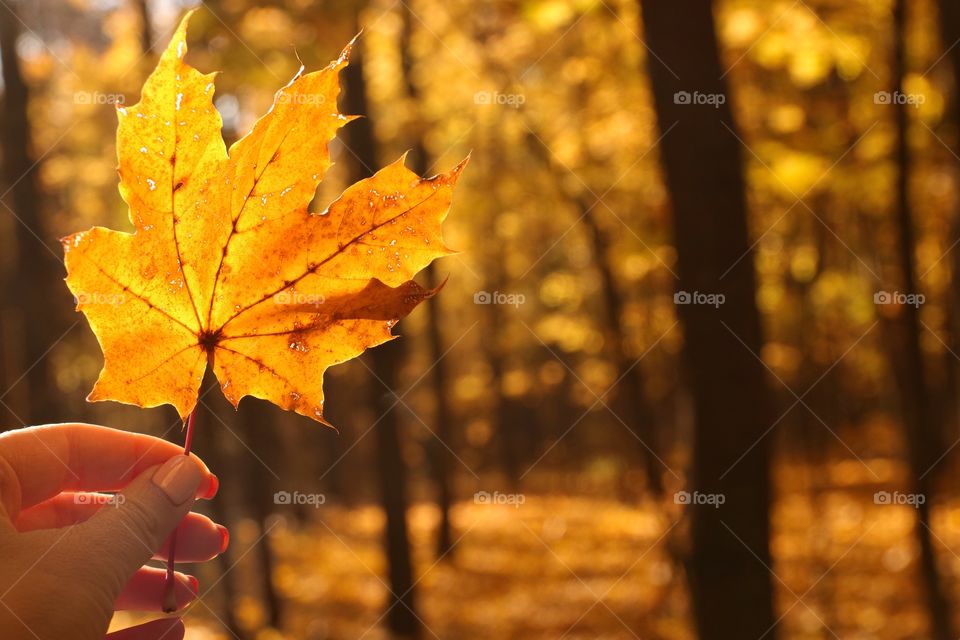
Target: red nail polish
194	584
213	485
224	538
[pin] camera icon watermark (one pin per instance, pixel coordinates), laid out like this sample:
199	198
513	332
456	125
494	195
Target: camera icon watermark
897	498
687	498
297	498
485	497
499	297
897	297
696	297
898	97
697	98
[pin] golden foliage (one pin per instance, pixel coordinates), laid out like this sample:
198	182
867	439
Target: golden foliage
228	267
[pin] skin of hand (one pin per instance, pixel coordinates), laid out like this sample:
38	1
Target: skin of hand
71	556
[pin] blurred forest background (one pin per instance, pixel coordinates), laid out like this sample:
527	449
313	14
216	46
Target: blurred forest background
694	373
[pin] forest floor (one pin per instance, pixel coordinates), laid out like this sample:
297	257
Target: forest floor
583	567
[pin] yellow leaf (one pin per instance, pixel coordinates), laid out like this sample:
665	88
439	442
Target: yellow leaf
227	267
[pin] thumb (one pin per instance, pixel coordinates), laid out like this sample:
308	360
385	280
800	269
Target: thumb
146	513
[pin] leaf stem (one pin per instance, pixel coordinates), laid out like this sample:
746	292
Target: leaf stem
169	595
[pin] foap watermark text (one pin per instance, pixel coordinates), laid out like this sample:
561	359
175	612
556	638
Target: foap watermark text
297	498
485	497
698	297
499	297
897	297
711	499
697	98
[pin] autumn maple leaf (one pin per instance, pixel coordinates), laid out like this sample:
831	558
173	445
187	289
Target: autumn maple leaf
227	266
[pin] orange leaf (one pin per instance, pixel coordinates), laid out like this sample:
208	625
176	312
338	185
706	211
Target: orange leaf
227	267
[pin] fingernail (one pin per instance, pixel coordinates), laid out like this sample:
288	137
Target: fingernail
194	584
211	487
179	478
224	537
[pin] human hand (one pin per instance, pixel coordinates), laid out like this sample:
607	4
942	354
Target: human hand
71	557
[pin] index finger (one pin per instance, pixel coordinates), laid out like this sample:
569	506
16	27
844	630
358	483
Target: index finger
49	459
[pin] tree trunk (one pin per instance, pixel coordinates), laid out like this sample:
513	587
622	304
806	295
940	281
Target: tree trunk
437	447
386	361
39	269
223	461
633	403
631	400
439	454
256	420
730	560
508	443
921	434
949	34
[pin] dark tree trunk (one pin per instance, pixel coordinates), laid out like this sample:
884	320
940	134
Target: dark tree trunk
224	463
14	397
401	612
631	399
950	34
226	563
730	560
386	361
439	454
921	434
508	422
37	283
437	447
257	427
